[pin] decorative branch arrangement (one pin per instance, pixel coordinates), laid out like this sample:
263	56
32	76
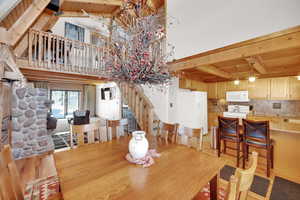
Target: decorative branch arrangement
138	54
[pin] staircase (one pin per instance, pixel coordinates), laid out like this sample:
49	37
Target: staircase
140	105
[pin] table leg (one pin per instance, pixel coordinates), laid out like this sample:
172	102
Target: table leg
213	184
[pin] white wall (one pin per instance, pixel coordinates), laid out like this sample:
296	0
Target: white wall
160	101
207	25
108	109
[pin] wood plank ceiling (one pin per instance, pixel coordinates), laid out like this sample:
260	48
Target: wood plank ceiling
274	55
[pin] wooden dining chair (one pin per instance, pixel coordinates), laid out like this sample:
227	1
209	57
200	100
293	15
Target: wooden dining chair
238	186
228	131
232	189
168	132
86	132
12	187
257	135
191	137
245	177
114	129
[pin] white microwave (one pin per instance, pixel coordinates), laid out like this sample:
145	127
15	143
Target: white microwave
237	96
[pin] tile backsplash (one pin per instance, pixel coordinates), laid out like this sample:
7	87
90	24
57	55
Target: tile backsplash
261	107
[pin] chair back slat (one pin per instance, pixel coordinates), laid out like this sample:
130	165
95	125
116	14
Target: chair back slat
10	174
257	131
228	126
245	177
232	189
6	186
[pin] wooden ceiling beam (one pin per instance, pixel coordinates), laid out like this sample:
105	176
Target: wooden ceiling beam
81	14
283	40
215	71
19	28
104	2
256	63
44	22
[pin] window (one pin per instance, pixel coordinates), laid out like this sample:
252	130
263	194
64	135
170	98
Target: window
74	32
65	102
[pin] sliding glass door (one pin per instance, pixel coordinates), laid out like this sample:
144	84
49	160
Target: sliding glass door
65	103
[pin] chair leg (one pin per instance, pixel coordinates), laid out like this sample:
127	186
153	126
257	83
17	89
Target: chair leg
219	147
224	150
268	161
272	157
247	152
238	154
244	154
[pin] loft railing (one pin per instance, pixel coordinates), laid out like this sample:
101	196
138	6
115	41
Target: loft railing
140	105
56	53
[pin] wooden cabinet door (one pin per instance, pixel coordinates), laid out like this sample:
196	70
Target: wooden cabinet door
185	83
294	88
260	89
279	88
221	90
199	86
212	90
240	87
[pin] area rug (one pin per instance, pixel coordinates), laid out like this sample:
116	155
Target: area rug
62	140
285	189
260	185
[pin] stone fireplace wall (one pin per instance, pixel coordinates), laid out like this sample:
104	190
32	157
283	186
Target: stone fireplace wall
29	121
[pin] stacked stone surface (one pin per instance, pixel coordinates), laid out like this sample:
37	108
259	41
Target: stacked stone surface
29	122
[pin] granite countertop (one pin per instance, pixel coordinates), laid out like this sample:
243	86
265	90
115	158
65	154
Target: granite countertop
279	116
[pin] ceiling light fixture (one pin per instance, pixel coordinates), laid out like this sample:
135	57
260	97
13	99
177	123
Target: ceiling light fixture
252	79
236	82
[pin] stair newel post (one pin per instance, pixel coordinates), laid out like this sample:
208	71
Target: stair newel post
30	46
150	121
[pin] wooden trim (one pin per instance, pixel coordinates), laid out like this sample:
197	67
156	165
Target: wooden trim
215	71
3	35
81	14
104	2
281	40
26	20
1	99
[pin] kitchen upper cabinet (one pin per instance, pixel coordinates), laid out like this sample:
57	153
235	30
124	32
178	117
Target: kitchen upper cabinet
260	89
199	86
185	83
279	88
222	88
212	90
294	88
240	87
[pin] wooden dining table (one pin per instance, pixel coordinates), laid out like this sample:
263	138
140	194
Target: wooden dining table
100	171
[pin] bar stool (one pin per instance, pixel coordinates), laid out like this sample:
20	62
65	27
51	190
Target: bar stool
257	135
228	130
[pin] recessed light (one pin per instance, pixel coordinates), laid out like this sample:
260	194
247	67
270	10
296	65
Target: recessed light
236	82
252	78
